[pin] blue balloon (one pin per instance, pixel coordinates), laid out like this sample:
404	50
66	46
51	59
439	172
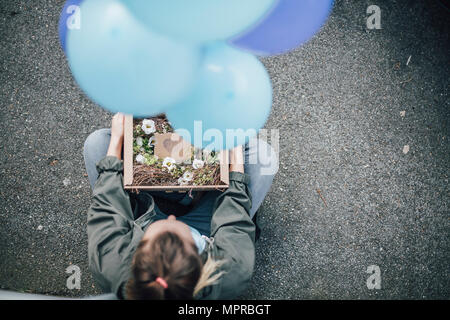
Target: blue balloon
290	24
199	20
125	67
230	102
69	19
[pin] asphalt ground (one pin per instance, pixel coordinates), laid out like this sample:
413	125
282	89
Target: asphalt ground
363	121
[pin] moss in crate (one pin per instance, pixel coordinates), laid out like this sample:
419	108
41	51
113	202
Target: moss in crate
149	170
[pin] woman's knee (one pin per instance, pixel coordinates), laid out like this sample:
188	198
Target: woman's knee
264	156
96	139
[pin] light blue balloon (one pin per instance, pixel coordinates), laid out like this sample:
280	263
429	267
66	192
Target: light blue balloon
230	102
200	20
124	66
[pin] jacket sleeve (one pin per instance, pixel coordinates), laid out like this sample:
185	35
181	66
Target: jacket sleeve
109	225
234	236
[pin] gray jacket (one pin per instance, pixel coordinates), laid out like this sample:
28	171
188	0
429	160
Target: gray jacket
114	233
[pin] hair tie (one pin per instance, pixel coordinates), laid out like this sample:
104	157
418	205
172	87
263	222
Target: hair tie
162	282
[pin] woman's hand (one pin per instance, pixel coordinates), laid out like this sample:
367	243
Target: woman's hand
117	130
237	159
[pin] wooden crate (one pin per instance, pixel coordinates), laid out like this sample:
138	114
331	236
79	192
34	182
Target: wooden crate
128	167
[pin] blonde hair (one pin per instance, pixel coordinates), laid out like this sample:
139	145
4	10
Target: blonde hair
207	277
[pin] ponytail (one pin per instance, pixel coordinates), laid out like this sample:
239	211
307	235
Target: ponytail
167	268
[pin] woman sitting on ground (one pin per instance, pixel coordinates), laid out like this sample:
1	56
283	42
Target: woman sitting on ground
139	252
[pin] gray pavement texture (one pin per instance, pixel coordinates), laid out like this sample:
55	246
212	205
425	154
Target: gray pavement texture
347	105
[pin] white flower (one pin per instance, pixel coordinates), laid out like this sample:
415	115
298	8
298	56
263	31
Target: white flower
151	141
148	126
169	163
140	159
197	164
188	176
182	182
139	141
